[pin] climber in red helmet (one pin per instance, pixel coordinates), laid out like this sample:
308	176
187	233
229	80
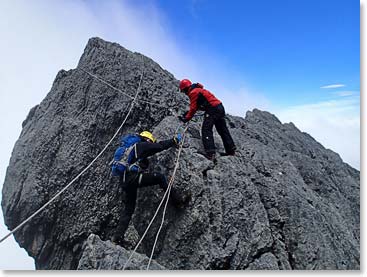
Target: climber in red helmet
202	99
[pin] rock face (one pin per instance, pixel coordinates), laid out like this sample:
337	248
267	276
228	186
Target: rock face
283	202
101	255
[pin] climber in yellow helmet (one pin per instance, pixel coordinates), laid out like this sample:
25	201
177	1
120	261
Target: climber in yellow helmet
131	164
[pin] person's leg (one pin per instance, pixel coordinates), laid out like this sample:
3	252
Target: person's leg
207	134
222	129
152	179
125	216
155	178
224	133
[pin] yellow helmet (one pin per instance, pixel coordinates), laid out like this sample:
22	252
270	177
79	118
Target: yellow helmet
148	135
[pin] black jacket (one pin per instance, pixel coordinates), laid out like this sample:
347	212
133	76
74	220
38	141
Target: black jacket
145	149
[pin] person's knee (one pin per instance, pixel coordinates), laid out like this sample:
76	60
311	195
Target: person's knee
129	207
163	182
206	128
161	179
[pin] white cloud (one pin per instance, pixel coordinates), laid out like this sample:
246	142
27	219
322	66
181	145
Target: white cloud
333	86
145	30
345	93
240	101
335	124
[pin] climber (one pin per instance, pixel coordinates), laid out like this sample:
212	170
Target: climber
131	164
202	99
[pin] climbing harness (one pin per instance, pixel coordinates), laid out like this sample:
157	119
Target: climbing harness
85	169
199	114
167	193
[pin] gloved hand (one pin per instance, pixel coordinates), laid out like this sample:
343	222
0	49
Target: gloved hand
178	138
182	119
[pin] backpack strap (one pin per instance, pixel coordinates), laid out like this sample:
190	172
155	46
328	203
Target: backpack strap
125	159
130	166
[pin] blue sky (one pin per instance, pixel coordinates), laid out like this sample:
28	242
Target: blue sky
296	59
285	49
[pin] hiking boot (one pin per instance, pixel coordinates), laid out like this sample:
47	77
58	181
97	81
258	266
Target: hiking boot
186	198
209	155
117	240
179	201
231	153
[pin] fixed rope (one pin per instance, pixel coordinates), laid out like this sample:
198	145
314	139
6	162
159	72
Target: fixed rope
119	90
167	192
129	96
106	83
169	187
85	169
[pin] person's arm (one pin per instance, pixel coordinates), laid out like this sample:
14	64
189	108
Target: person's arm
146	149
193	104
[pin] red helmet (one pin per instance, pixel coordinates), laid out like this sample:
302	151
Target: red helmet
184	84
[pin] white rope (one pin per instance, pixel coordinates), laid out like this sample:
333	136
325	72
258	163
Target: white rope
103	81
119	90
165	206
159	206
85	169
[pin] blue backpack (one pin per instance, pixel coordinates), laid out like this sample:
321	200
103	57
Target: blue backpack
124	154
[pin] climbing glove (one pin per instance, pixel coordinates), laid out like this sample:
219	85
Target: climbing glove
183	117
178	138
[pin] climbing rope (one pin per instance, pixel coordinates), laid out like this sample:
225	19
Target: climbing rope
85	169
169	187
168	190
129	96
103	81
119	90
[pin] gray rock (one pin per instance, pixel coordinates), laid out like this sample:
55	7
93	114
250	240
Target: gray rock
104	255
283	202
266	262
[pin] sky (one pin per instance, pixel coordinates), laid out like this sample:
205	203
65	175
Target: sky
297	59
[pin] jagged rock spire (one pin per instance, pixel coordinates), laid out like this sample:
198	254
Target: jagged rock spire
284	202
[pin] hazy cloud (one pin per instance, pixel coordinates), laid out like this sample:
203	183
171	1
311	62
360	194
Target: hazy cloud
238	102
334	86
346	93
335	124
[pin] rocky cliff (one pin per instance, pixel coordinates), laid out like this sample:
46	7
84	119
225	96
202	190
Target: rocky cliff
284	202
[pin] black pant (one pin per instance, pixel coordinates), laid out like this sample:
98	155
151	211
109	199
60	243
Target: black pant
133	181
215	116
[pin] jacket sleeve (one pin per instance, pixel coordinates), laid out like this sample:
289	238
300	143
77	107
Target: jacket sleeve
146	149
193	104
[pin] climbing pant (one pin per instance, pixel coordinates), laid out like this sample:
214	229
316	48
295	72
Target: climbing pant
133	181
215	116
